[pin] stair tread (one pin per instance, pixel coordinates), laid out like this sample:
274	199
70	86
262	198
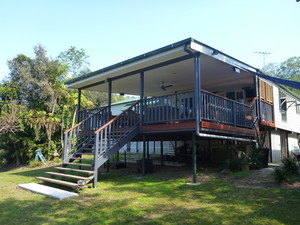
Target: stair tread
78	158
78	164
75	170
85	153
61	182
69	176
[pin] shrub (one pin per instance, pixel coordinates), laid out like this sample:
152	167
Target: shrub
290	165
280	174
255	158
233	164
288	172
57	160
34	163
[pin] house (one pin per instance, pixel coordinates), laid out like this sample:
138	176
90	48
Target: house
188	92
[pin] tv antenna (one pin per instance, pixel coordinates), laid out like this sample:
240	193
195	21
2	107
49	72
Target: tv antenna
264	56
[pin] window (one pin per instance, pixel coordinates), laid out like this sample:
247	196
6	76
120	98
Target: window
298	107
283	105
266	91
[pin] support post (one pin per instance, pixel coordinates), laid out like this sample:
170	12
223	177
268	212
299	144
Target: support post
109	99
198	94
96	160
161	153
270	146
258	106
144	157
194	158
128	147
78	106
125	158
148	154
107	164
141	96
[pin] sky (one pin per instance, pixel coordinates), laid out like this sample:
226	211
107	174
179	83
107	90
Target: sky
116	30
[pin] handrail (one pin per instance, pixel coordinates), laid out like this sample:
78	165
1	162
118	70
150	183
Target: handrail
83	121
79	135
228	99
117	117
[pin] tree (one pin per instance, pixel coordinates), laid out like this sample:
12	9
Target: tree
37	83
289	69
76	60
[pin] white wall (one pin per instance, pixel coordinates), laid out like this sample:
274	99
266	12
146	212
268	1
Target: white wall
293	142
276	147
293	118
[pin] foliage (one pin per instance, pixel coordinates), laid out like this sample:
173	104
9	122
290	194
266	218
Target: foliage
290	165
35	107
289	172
234	164
9	119
280	175
34	163
57	160
76	60
255	158
289	69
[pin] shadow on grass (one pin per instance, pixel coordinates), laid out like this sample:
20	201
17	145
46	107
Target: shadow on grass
127	199
219	198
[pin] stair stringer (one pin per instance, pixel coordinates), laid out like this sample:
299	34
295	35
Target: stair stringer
115	148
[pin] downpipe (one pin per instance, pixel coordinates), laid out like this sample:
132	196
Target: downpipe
224	137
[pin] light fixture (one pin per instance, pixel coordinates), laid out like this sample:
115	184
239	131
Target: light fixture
237	70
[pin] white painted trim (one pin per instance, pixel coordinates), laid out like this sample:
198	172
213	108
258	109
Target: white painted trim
220	56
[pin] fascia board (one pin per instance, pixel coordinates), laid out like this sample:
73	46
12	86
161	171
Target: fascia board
204	49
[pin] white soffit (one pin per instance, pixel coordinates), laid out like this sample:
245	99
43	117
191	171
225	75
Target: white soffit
135	65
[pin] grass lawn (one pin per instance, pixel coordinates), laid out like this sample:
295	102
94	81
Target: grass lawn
149	200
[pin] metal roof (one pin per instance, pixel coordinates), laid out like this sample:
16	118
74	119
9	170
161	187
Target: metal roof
168	52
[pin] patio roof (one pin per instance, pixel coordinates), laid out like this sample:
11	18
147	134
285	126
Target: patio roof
173	65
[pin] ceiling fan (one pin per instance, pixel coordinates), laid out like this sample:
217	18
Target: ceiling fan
164	87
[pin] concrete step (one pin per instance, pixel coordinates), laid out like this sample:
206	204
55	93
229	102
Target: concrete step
75	170
61	182
77	164
70	176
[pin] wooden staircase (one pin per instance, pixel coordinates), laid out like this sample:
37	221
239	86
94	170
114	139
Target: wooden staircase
87	149
76	173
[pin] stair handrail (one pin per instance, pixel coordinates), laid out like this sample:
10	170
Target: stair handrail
83	121
72	133
124	123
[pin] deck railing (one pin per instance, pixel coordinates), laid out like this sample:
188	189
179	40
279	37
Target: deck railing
223	110
80	134
167	108
180	106
83	114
